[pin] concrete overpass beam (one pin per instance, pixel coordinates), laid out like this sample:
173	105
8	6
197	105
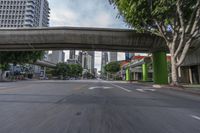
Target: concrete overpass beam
160	73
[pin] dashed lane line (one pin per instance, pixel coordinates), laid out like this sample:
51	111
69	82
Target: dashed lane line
121	87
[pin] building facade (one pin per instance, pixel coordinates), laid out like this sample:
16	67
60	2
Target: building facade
57	57
104	61
112	56
189	72
92	54
24	13
129	56
72	54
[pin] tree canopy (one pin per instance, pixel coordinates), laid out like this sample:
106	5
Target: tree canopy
159	16
176	21
20	57
112	67
75	70
71	70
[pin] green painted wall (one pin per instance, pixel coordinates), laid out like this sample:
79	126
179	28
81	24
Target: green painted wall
128	74
144	72
160	74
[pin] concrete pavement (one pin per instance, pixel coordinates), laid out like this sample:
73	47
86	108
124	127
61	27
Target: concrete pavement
109	107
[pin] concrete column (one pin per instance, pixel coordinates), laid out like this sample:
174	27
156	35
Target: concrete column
144	72
160	73
127	74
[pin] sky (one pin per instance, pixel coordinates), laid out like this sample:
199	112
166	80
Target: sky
85	13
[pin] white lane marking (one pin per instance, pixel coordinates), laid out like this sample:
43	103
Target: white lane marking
157	86
121	87
143	90
99	87
140	90
195	117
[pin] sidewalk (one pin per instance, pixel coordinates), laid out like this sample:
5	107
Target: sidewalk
189	88
194	89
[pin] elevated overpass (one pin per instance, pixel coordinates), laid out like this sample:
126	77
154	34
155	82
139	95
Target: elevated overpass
98	39
45	63
79	38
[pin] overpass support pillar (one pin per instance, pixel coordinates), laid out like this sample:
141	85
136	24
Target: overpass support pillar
160	73
145	72
128	77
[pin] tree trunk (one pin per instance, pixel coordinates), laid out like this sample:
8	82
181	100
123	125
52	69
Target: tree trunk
174	71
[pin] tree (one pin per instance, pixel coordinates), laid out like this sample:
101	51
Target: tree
177	21
72	70
20	57
112	67
75	70
62	69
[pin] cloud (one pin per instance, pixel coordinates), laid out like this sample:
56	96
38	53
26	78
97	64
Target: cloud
103	19
84	13
61	17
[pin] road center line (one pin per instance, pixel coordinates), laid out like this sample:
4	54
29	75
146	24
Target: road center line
121	87
195	117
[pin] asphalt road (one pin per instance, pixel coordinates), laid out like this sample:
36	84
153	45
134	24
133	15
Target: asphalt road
95	107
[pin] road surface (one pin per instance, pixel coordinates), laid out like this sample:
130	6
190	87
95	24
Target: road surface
95	107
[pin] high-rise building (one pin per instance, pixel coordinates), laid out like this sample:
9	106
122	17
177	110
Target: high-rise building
80	57
24	13
92	54
112	56
129	56
57	57
104	61
72	54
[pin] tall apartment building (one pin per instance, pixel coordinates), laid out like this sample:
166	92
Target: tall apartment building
72	54
57	57
24	13
104	61
92	54
112	56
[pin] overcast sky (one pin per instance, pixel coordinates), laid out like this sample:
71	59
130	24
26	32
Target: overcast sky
85	13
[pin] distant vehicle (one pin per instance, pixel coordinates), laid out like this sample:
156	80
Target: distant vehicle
72	78
66	78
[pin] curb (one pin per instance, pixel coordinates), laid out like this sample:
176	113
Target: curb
181	89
